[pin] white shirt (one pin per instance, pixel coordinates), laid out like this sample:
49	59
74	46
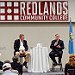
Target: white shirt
9	73
21	46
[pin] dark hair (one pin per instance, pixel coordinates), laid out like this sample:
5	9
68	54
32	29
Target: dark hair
56	34
20	36
6	69
6	61
15	59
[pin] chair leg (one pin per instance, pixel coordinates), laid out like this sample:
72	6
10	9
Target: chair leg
21	60
52	67
61	69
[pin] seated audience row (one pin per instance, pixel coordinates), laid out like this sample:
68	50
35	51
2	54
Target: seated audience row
15	65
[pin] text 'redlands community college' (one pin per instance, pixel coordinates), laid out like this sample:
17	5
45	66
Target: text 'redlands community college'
50	10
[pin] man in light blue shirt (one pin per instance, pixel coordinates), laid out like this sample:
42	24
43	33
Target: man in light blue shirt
7	69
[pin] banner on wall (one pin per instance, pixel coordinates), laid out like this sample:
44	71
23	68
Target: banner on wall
33	11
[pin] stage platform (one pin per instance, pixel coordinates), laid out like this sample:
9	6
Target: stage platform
51	73
56	72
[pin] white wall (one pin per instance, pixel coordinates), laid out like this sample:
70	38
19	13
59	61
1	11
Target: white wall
71	5
34	33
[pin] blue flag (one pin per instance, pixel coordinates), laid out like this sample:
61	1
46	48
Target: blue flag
71	48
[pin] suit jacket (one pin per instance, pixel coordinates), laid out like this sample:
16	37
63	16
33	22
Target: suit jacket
17	66
54	48
17	45
74	72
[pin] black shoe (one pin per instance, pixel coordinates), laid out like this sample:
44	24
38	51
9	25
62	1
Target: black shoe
25	64
54	64
59	62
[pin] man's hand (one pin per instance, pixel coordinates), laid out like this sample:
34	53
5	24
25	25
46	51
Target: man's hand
55	44
23	52
58	46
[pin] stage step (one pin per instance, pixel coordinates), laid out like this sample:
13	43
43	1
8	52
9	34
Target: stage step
51	73
55	72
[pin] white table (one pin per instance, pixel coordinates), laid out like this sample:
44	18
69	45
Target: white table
39	60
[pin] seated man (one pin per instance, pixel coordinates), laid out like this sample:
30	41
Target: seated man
7	69
57	45
21	47
15	65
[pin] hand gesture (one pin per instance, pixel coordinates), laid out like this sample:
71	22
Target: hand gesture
55	44
58	46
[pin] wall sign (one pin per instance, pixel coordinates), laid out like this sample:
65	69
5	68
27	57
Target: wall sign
33	11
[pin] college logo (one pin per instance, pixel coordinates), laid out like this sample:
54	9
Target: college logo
9	11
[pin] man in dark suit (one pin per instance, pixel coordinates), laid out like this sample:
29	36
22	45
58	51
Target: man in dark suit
21	47
56	45
16	66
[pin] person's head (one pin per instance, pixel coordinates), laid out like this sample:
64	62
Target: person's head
71	60
21	36
57	36
7	66
15	59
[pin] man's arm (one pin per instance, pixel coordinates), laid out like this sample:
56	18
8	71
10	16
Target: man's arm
26	46
15	47
52	45
62	45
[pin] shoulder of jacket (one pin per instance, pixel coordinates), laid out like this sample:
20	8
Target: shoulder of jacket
17	40
61	40
25	40
53	40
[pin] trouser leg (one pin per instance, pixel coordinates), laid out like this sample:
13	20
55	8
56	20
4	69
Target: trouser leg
60	55
27	56
52	56
26	59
